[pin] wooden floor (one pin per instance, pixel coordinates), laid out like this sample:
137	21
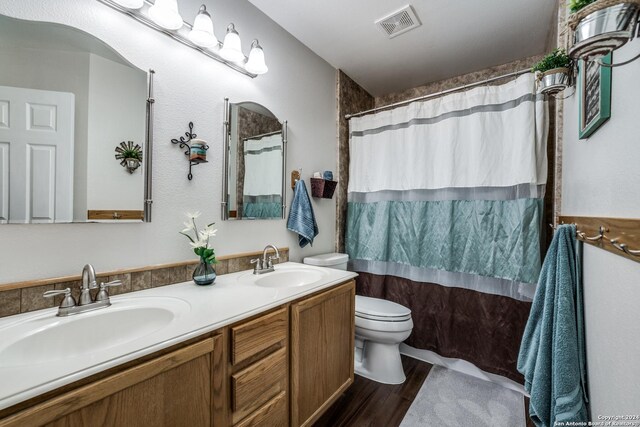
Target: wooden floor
368	403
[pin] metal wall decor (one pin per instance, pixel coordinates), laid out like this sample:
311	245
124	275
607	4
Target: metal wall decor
130	155
196	149
594	95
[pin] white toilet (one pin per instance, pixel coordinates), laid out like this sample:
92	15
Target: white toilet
381	326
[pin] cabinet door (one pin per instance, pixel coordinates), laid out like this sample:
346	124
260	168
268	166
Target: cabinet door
322	334
172	390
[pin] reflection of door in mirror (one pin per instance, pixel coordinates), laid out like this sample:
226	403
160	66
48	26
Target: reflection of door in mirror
36	155
68	100
255	163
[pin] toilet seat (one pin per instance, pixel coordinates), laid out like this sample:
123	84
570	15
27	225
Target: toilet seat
381	310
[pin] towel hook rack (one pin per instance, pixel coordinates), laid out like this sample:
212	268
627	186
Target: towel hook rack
296	175
624	248
600	236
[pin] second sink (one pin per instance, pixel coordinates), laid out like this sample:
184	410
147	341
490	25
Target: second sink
290	277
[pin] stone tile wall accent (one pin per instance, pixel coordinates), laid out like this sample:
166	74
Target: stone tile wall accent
351	99
476	76
24	297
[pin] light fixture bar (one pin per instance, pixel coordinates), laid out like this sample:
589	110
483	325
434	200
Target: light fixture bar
142	15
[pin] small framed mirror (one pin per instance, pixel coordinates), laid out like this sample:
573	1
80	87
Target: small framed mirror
75	128
255	160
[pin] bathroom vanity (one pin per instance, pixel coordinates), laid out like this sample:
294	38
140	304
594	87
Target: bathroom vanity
268	350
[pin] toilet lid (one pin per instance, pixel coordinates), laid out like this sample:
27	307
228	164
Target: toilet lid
381	309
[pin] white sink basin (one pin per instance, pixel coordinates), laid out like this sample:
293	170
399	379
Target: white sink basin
290	277
46	338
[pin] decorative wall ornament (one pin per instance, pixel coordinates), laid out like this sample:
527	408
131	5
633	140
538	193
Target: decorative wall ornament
196	149
129	155
594	95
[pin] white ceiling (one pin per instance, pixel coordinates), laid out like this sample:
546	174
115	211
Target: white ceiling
456	36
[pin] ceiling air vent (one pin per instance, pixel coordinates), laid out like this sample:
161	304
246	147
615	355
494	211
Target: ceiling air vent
399	22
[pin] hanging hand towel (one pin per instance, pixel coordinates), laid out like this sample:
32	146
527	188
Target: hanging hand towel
552	357
301	219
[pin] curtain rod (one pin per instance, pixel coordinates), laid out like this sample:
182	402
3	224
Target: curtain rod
437	94
262	135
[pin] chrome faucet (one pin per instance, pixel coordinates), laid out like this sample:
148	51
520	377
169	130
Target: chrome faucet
88	283
68	305
265	265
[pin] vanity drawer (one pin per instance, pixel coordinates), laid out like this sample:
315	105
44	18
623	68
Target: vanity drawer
250	338
252	387
273	414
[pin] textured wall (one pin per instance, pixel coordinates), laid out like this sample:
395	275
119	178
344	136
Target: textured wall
351	99
453	82
188	87
601	177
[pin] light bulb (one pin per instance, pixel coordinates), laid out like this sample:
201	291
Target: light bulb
165	14
202	31
231	47
256	64
130	4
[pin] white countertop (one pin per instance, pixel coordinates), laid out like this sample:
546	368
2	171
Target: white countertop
200	309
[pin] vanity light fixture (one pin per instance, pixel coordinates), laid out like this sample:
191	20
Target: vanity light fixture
130	4
232	46
256	63
163	16
202	31
165	13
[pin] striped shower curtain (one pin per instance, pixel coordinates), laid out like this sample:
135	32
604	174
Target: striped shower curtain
444	215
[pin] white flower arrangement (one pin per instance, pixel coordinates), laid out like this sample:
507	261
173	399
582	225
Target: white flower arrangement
200	241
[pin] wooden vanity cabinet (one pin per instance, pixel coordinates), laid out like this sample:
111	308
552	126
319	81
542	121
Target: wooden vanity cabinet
285	367
174	389
259	370
322	335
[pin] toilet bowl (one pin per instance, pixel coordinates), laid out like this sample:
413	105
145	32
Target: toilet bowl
381	326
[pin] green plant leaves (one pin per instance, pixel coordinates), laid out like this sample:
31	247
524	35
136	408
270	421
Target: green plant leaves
556	59
576	5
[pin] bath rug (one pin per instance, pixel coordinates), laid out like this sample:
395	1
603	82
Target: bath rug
450	398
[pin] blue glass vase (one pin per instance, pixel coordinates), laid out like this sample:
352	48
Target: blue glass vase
204	273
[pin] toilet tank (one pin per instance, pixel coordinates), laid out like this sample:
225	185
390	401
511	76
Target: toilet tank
334	260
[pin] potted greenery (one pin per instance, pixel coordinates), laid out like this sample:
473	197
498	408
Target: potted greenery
130	155
600	26
553	72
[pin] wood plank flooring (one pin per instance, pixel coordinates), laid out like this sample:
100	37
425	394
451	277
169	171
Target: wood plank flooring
370	404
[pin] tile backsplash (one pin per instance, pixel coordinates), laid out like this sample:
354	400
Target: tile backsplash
23	297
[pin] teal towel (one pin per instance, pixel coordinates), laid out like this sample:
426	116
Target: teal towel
552	354
301	218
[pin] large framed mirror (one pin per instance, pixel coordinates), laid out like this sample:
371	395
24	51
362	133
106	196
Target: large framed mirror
75	128
255	159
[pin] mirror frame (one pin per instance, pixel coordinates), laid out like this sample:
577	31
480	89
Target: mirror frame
148	152
225	155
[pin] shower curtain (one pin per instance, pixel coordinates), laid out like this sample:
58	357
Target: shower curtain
444	215
261	196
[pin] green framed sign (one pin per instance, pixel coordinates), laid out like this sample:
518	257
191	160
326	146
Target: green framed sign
594	95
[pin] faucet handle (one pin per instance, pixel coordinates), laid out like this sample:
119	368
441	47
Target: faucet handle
270	261
67	301
258	263
103	295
